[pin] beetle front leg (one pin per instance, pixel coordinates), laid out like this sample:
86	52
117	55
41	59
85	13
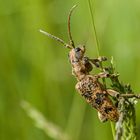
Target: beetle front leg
99	59
96	61
103	75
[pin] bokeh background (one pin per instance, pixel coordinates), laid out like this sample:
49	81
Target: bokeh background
35	68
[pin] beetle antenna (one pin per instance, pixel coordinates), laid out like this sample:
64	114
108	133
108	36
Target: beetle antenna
69	31
56	38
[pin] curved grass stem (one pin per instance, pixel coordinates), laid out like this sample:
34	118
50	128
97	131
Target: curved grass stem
94	27
96	37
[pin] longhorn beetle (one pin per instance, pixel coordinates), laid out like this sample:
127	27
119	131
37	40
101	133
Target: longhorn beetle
89	85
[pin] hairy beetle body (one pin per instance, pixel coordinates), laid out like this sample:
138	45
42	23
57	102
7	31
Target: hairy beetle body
88	85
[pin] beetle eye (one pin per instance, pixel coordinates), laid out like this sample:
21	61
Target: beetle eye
77	49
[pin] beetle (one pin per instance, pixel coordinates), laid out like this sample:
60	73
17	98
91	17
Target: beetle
88	85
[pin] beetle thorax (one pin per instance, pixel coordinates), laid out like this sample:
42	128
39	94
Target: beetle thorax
76	59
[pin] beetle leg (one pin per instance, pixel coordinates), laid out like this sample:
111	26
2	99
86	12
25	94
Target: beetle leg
101	117
103	75
113	93
96	61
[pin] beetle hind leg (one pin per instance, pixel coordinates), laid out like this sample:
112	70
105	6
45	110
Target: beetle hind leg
113	93
101	117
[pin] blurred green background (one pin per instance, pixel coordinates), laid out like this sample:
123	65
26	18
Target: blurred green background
35	68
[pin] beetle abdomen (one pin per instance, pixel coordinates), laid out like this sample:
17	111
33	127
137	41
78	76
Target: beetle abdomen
92	90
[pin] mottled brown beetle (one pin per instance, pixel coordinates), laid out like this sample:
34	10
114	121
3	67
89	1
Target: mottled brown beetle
88	85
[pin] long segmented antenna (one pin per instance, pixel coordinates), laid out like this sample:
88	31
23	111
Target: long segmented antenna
57	39
69	31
